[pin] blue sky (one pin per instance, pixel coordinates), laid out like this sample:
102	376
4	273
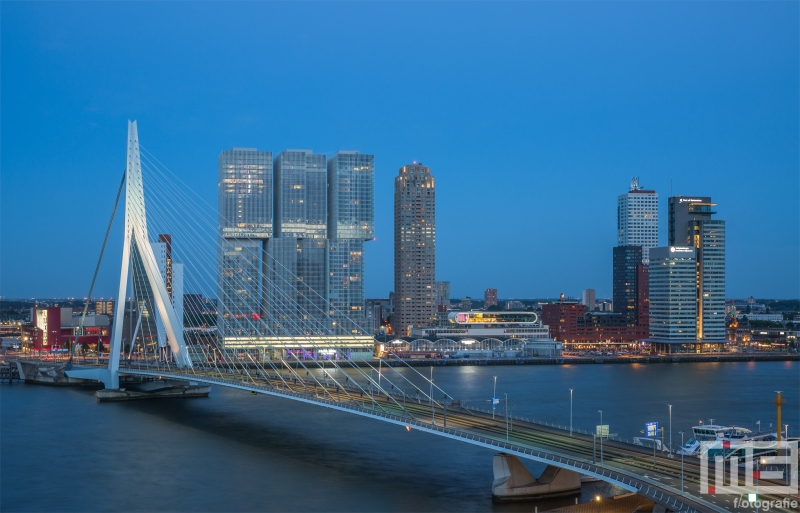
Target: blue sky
532	116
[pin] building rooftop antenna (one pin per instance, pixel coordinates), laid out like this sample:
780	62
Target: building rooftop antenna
635	183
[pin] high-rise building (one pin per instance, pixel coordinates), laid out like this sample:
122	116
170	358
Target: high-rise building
708	238
466	304
351	222
625	297
414	247
683	209
351	203
292	239
691	224
588	298
245	194
166	239
637	219
673	283
301	195
489	298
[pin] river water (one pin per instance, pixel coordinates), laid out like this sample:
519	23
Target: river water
60	450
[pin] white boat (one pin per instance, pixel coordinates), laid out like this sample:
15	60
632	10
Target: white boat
712	440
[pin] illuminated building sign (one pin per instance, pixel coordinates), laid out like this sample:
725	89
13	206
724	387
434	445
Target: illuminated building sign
494	318
680	249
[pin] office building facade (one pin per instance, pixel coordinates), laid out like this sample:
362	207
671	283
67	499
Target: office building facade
625	293
292	232
691	225
681	211
414	248
637	219
351	222
301	195
673	309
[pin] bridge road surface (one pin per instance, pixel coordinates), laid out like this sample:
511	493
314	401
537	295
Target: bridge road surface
634	465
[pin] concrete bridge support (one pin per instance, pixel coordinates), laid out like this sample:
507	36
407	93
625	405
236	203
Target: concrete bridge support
513	482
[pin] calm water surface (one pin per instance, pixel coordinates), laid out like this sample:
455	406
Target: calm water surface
60	450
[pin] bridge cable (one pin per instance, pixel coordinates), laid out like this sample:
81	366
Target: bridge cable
96	269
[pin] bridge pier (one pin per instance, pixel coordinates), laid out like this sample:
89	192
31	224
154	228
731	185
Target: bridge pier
513	482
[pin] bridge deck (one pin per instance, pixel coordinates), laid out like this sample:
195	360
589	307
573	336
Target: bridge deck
627	466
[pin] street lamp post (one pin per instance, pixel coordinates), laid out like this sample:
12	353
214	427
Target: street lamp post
570	412
506	416
494	393
601	436
433	414
682	462
670	431
759	426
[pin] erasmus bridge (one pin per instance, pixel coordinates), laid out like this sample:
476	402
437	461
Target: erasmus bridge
157	201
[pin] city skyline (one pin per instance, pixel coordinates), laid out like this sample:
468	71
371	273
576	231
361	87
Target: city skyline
722	137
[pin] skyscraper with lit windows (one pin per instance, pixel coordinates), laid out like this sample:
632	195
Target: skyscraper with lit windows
245	220
637	219
292	232
414	248
351	222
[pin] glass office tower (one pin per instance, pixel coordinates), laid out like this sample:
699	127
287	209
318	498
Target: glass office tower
351	221
301	195
245	195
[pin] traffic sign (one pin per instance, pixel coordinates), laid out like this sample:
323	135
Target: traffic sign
651	429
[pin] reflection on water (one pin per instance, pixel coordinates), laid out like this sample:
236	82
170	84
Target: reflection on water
63	451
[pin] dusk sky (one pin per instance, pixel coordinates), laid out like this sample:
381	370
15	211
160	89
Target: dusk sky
533	117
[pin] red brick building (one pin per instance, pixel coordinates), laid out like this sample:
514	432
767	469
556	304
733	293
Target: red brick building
571	323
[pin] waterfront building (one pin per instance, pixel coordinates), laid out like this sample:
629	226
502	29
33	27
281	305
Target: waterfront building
245	199
351	222
588	299
55	328
298	234
570	323
691	226
489	298
625	297
507	333
291	262
414	247
673	308
637	219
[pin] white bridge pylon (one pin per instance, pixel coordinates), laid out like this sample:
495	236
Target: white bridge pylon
136	231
